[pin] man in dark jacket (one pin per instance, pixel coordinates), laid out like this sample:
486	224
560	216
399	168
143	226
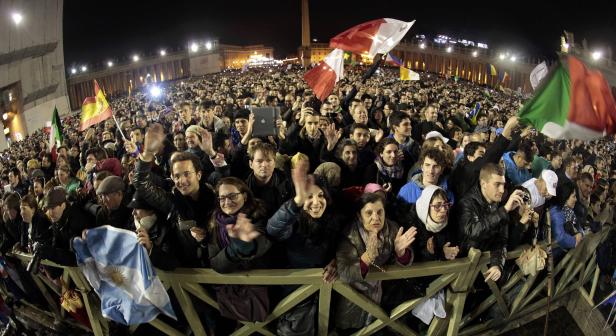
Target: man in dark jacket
117	214
466	173
190	203
483	222
11	222
67	221
266	182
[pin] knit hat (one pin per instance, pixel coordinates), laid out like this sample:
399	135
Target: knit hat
198	130
330	172
422	208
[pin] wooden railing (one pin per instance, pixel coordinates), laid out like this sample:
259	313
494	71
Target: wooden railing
456	277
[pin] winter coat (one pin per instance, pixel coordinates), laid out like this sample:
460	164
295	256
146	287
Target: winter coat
483	226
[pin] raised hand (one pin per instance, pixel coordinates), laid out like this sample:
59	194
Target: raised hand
243	229
130	146
299	175
330	272
332	136
404	239
206	142
379	135
153	140
372	246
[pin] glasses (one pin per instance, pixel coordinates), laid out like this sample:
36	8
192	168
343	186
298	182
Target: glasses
232	197
439	206
186	174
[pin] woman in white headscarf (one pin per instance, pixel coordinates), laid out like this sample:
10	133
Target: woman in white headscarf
434	241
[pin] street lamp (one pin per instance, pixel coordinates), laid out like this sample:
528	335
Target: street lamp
513	58
501	57
475	53
163	52
194	47
208	45
449	49
109	64
596	55
84	68
73	71
135	58
422	46
17	17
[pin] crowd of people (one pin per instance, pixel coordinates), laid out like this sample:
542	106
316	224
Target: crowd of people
381	172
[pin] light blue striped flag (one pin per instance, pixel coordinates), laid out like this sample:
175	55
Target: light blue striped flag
119	270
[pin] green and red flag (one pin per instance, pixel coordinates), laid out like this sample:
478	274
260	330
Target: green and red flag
572	102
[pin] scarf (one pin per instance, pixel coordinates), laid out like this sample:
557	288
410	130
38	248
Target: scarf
433	226
395	172
373	289
222	220
570	218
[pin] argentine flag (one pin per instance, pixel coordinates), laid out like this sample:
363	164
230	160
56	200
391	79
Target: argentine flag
120	271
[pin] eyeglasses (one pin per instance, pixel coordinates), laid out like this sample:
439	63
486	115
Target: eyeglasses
232	197
439	206
186	174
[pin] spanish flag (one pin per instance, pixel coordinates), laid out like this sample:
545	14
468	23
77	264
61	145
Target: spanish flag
94	109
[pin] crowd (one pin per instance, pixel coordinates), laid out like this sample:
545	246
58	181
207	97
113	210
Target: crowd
382	172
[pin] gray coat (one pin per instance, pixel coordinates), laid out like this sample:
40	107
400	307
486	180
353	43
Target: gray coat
349	315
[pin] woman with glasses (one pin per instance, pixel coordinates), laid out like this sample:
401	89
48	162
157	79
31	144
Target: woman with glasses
434	239
235	232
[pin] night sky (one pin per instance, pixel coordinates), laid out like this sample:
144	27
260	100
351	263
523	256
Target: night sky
97	31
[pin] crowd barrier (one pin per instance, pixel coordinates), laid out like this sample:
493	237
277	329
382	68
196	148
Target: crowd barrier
574	272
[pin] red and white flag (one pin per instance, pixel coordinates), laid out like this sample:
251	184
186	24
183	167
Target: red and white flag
323	77
373	37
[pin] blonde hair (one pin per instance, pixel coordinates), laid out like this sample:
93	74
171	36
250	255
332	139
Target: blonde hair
297	157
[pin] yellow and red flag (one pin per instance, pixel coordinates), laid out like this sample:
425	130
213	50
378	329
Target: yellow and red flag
94	109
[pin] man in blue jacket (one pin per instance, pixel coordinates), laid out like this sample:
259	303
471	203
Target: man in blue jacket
517	164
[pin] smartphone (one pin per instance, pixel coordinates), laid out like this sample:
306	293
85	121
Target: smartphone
187	224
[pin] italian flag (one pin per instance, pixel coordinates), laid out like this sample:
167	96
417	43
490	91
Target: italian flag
55	133
572	102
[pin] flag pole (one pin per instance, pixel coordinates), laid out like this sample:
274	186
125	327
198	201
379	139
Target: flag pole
550	268
378	58
119	128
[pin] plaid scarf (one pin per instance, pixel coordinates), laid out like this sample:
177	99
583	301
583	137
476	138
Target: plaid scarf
395	172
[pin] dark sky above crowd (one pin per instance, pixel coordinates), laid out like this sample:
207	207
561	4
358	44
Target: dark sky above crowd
97	31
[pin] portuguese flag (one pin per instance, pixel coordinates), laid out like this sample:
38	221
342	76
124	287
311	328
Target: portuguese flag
94	109
572	102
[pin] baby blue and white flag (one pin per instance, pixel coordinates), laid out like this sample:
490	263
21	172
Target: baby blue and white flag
119	270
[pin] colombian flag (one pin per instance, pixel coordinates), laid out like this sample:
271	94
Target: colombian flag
491	70
94	109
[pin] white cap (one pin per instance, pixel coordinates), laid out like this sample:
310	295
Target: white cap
551	180
436	134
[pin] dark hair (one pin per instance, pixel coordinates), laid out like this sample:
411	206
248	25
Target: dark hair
369	198
472	147
586	176
489	169
30	201
436	155
100	176
365	96
11	200
395	118
380	147
343	143
99	153
241	114
264	147
185	156
16	172
526	150
563	192
355	126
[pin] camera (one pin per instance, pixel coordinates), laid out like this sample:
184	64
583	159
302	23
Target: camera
526	197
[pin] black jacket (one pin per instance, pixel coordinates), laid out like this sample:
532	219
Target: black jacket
298	142
41	231
483	226
71	224
164	245
179	209
274	193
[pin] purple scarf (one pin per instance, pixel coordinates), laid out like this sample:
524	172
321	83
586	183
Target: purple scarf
222	220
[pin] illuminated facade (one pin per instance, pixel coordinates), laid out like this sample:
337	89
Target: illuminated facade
123	78
461	61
